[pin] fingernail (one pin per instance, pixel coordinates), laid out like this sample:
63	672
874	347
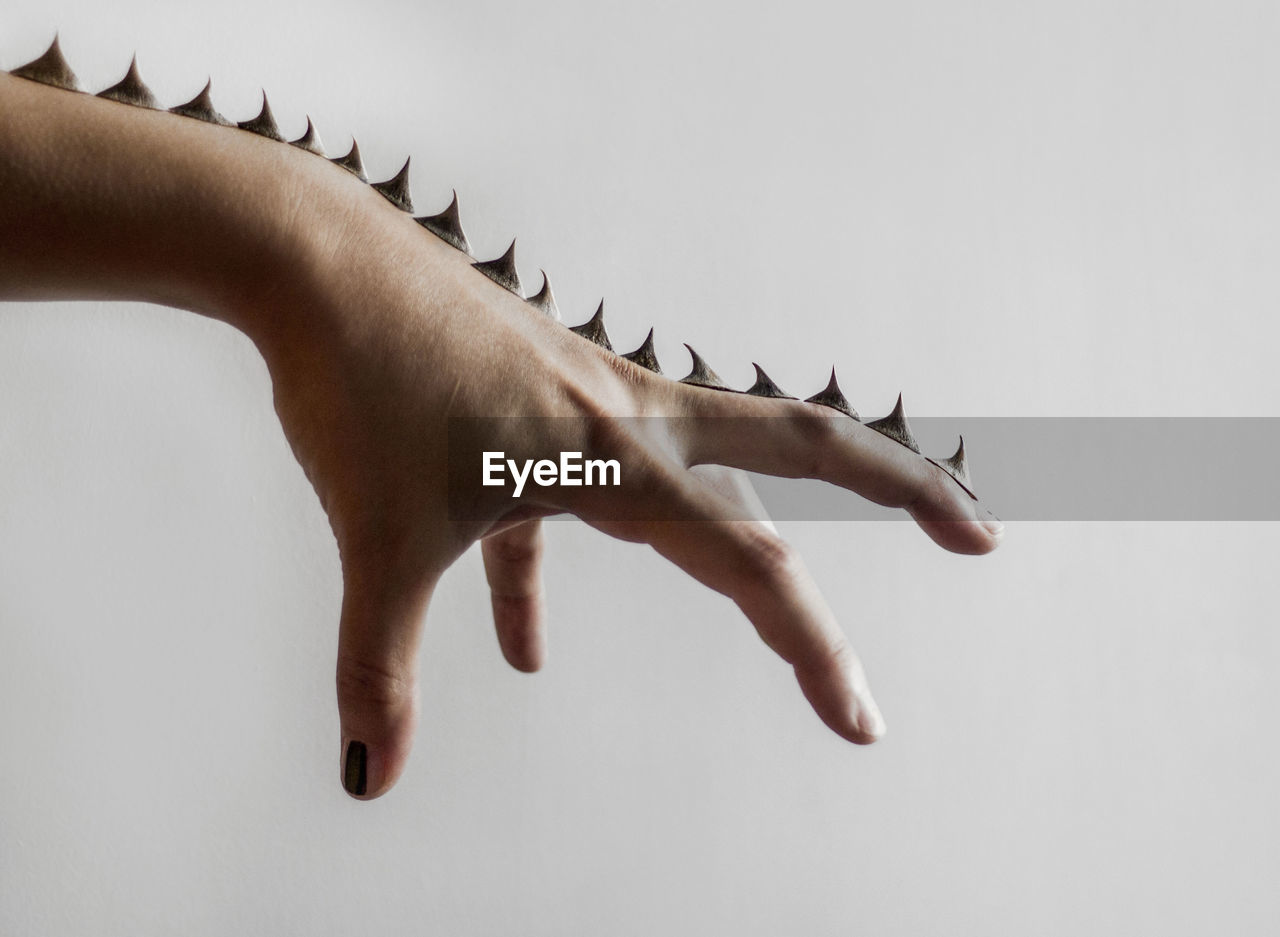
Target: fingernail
354	777
994	527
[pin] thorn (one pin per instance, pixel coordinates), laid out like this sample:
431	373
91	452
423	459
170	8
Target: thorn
264	125
50	69
958	469
593	329
502	270
447	226
645	355
764	386
700	375
396	189
201	108
352	162
895	426
131	90
544	300
309	141
831	396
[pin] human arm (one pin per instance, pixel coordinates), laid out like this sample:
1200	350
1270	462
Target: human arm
375	334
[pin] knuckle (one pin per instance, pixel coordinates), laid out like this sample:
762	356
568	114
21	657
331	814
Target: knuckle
612	437
601	389
641	392
631	375
927	492
515	551
771	559
839	656
818	433
372	686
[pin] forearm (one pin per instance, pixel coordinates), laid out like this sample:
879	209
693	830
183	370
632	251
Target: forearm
103	200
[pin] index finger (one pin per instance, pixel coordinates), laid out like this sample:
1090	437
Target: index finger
740	557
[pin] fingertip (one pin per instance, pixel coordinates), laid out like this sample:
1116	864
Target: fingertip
524	661
844	704
862	725
859	728
521	632
954	519
971	537
983	537
368	770
991	533
872	725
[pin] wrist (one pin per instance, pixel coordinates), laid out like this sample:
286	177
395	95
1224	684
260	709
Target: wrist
275	252
348	272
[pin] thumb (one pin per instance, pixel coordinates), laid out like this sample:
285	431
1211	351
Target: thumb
377	681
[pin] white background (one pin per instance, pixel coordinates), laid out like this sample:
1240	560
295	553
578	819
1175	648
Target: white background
1003	209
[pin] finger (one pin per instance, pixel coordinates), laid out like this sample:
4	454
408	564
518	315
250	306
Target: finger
377	676
750	564
513	566
795	439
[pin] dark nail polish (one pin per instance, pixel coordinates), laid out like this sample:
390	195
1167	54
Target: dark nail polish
353	777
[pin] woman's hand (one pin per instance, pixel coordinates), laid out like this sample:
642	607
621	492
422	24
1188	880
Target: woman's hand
394	364
401	354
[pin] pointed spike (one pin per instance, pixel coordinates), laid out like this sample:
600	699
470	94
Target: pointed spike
502	270
131	90
958	468
448	227
201	108
701	375
593	329
831	396
895	426
544	300
50	69
352	162
264	125
309	141
396	189
645	356
764	386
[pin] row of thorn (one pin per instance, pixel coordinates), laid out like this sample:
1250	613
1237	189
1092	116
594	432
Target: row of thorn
52	68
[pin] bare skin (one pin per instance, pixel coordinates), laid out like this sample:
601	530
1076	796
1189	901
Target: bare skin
376	333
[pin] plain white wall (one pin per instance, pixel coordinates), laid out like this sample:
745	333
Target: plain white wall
1004	209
